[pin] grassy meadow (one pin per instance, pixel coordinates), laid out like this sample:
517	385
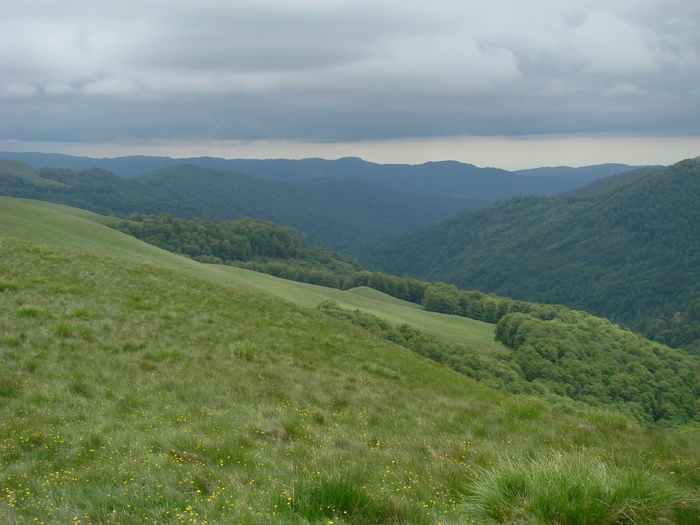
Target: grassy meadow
142	387
68	227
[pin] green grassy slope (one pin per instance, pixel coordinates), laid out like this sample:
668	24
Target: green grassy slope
74	228
13	169
134	391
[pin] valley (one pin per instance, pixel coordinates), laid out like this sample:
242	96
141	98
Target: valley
141	385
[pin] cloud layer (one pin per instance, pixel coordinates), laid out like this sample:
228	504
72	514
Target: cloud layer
332	71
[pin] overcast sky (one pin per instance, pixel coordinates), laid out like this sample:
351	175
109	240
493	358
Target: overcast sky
519	83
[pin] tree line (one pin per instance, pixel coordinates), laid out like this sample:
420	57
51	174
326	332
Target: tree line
265	247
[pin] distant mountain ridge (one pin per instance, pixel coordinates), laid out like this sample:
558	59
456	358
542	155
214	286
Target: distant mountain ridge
602	184
341	212
338	213
477	186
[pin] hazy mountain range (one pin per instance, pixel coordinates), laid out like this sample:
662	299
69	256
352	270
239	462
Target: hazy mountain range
474	185
340	203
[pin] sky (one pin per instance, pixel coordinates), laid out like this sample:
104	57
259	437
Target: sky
506	83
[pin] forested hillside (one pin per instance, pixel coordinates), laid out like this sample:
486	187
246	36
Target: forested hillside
601	184
339	204
238	241
563	355
335	213
91	189
630	253
265	247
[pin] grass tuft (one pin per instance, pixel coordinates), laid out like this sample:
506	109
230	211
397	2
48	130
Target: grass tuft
576	489
340	494
380	371
525	408
28	311
9	387
608	419
64	330
8	287
245	350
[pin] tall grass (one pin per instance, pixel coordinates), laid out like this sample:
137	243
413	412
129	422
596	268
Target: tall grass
576	489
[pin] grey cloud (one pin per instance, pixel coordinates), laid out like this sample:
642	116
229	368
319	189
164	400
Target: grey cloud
347	70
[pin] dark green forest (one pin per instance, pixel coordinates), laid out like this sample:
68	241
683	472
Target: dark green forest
91	189
231	242
630	253
265	247
584	357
